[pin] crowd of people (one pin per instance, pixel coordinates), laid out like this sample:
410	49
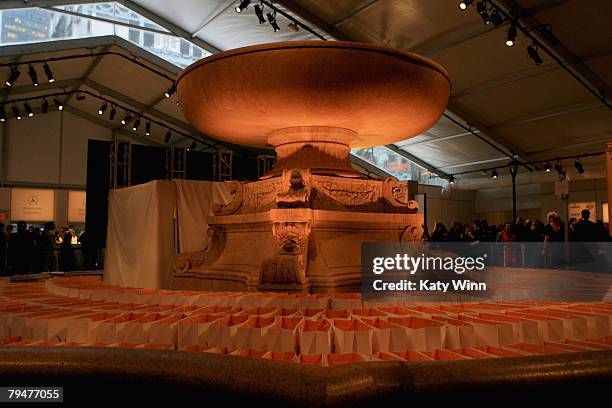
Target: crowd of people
34	250
532	243
579	230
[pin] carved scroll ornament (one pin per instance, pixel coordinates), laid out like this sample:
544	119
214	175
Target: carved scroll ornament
236	189
390	195
186	261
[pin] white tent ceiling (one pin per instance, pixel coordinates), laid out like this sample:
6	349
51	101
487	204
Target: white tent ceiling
501	104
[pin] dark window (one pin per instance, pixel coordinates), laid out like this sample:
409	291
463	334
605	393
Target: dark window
184	47
148	40
134	36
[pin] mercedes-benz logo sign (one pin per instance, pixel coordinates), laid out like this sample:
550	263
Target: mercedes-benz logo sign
32	200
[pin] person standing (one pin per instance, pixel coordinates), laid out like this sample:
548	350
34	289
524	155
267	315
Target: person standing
554	235
67	258
21	248
48	246
585	230
3	250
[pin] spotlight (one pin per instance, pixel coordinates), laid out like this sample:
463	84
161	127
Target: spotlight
28	109
170	91
16	112
451	179
511	37
33	75
578	166
547	167
481	7
80	97
532	50
294	27
192	146
2	114
465	4
243	5
13	76
58	104
559	168
496	18
272	20
102	108
136	125
126	119
167	137
48	72
113	113
260	14
45	106
148	129
494	174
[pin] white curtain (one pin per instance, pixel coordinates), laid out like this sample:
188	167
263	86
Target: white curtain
194	202
148	223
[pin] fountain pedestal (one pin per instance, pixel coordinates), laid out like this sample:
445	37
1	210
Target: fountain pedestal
300	227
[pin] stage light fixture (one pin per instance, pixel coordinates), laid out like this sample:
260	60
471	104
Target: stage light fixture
532	50
33	75
260	14
481	7
272	21
102	108
170	91
167	137
80	97
136	125
192	146
14	75
451	179
126	119
148	128
48	72
494	174
16	112
578	166
465	4
496	18
511	36
547	167
2	114
113	113
28	109
242	6
58	104
45	106
559	168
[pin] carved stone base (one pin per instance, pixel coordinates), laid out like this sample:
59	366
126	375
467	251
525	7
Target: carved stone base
298	232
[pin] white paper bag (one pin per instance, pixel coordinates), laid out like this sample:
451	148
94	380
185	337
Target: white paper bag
315	337
352	336
283	335
222	333
252	334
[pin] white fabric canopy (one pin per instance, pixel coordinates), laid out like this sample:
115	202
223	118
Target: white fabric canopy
148	223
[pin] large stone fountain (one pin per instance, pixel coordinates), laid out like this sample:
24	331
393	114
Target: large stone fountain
300	227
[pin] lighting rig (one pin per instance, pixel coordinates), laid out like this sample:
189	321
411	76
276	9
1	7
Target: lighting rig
558	167
130	116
